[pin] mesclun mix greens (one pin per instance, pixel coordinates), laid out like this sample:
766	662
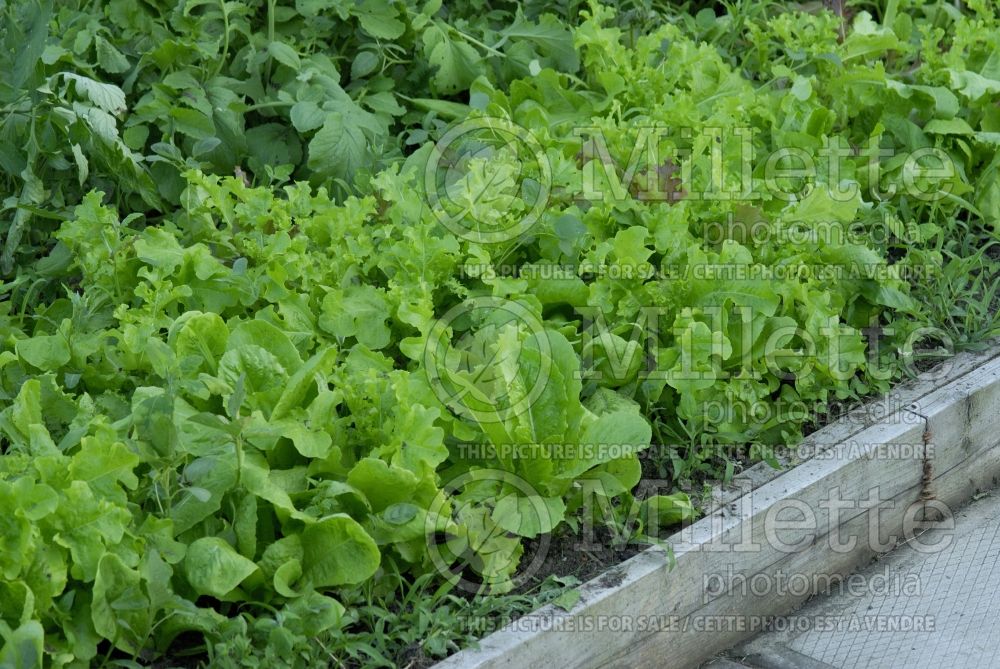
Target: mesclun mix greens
322	318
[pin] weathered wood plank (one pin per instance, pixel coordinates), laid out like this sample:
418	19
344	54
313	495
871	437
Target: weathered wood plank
962	417
968	478
746	611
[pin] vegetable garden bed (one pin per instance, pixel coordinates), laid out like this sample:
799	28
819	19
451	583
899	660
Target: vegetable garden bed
648	612
320	320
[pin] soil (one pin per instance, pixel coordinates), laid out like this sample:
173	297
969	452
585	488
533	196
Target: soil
567	555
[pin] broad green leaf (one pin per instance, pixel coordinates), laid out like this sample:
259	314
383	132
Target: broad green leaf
302	381
121	610
25	411
87	525
109	58
201	335
193	123
337	551
820	206
213	567
616	477
314	614
379	19
274	144
383	484
215	475
260	373
47	352
610	436
82	165
16	533
284	54
662	511
359	311
261	481
552	37
159	248
107	97
22	647
528	516
339	148
261	333
285	578
104	466
954	126
307	115
457	63
421	440
283	550
31	36
567	600
974	86
364	64
309	443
